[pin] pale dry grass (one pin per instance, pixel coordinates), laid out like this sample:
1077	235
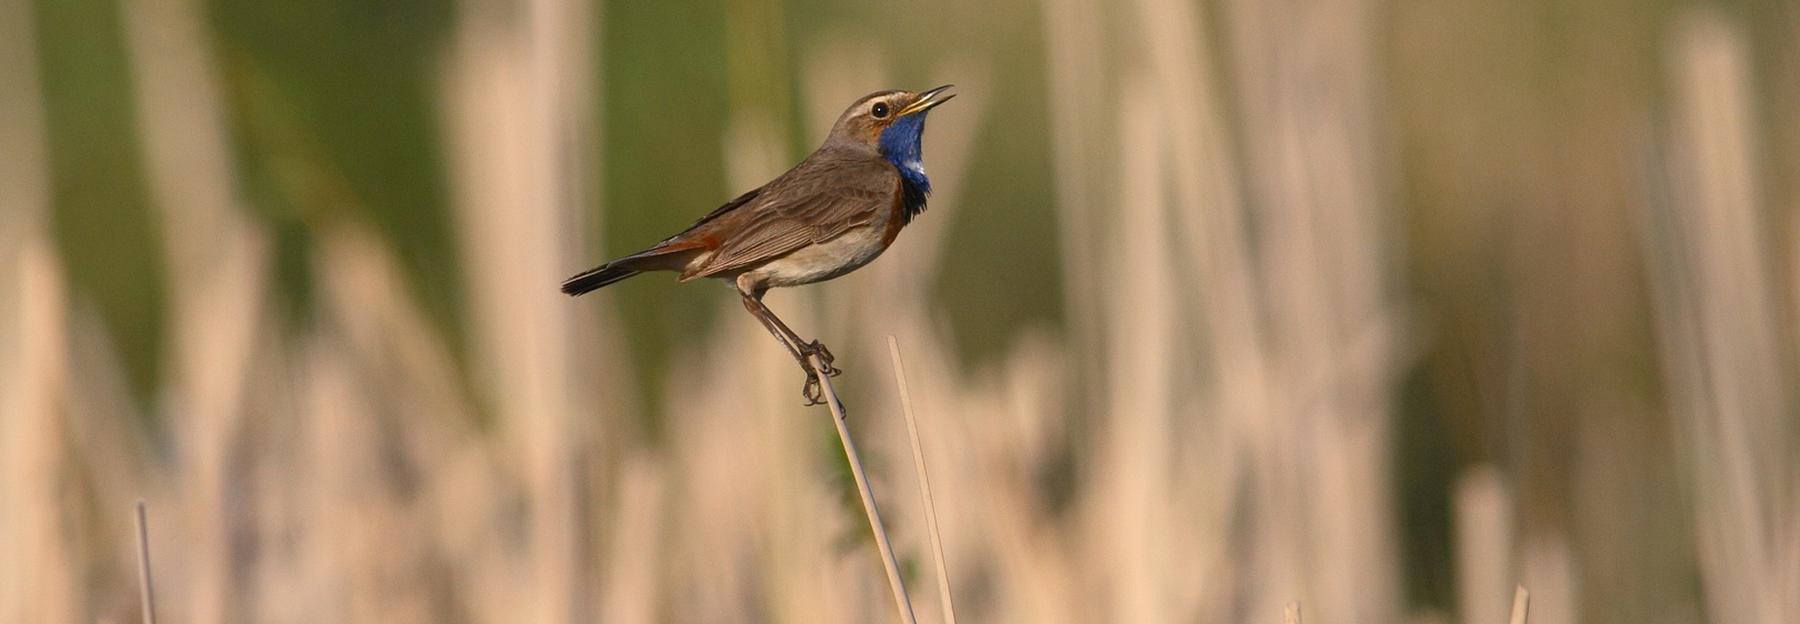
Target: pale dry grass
1208	442
1729	357
872	511
146	580
929	504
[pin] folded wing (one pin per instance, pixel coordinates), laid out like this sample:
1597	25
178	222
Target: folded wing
815	202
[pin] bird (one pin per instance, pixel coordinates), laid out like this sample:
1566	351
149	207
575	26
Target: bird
832	213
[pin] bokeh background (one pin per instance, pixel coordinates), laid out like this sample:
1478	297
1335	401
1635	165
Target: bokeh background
1381	306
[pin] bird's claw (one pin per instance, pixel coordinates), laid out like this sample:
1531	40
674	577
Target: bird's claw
816	348
815	361
813	392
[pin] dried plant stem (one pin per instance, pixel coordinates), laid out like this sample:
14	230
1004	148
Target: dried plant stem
901	601
1291	614
912	432
1521	604
146	595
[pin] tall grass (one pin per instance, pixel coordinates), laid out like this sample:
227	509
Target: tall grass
1211	439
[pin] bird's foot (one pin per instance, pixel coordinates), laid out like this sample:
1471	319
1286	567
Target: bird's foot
812	391
825	358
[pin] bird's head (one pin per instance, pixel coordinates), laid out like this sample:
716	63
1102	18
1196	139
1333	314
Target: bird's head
890	121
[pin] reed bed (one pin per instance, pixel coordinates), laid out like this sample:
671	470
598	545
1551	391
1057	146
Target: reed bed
1278	246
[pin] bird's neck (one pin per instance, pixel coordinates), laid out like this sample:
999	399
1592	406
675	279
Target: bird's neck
900	146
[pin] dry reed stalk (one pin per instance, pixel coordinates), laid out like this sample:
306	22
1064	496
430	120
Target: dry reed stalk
901	601
33	467
1038	563
515	92
1138	453
1521	604
146	591
25	182
1721	332
1484	511
1291	615
215	284
1226	333
636	564
1076	76
365	547
1308	171
726	481
25	171
1547	565
912	433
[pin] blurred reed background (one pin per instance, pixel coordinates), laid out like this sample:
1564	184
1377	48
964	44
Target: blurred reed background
1378	306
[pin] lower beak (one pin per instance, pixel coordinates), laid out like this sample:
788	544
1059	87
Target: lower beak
928	100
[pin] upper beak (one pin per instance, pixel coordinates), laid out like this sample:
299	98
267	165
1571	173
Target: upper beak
928	99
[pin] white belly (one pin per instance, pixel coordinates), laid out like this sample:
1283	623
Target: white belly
817	263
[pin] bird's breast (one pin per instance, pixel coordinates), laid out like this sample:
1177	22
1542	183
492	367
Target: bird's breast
825	260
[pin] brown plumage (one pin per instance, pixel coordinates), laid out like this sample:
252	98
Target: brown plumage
829	215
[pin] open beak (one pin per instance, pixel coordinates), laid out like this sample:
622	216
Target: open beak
928	99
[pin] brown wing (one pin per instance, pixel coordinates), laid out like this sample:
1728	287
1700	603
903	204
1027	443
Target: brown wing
738	202
815	202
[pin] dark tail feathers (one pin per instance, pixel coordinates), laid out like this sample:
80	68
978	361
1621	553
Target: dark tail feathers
595	278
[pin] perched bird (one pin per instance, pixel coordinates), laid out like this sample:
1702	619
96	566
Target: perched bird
829	215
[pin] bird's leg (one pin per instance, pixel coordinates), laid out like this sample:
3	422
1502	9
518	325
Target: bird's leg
804	347
811	390
767	318
809	348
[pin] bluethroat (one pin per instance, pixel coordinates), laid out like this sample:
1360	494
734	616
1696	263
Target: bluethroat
829	215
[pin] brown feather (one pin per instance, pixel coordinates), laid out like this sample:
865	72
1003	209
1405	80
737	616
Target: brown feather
729	206
830	214
831	192
897	216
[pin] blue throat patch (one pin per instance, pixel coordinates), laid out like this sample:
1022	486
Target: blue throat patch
900	145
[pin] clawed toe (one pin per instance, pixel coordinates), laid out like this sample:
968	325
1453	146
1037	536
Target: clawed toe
818	348
825	358
813	392
815	360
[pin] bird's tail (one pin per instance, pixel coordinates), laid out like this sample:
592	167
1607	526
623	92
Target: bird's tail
595	278
669	255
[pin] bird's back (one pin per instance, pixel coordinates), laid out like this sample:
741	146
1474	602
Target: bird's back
835	211
834	190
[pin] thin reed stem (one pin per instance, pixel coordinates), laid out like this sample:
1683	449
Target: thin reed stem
146	594
1521	604
901	601
912	432
1291	614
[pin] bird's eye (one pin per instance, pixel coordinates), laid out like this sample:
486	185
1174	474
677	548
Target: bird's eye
880	111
